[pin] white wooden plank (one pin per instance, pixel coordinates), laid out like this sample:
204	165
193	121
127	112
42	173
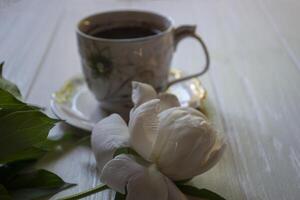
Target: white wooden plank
284	18
26	28
256	82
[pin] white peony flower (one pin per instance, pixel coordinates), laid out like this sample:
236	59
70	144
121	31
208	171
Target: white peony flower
176	143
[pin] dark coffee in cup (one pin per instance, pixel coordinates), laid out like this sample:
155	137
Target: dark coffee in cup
126	32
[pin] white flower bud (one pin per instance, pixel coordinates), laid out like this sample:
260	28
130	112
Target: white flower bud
177	142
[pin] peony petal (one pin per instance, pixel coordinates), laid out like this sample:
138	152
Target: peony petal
193	149
141	93
149	185
143	127
117	172
124	173
108	135
170	121
185	139
173	192
167	101
214	156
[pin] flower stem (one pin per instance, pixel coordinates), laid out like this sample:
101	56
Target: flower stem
86	193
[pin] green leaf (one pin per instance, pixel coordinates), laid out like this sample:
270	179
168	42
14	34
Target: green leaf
1	68
3	190
35	179
125	150
10	170
26	154
4	195
7	85
201	193
21	130
120	196
36	184
37	193
40	149
86	193
23	139
9	104
11	88
8	101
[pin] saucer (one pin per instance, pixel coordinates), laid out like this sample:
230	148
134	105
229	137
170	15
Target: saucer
75	104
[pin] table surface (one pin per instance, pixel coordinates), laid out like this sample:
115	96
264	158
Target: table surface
253	84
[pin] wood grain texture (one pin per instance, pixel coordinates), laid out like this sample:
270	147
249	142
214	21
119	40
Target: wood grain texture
253	84
26	31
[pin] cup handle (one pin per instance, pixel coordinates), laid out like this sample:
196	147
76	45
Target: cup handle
189	31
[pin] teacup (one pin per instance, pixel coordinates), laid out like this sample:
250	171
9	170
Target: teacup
119	47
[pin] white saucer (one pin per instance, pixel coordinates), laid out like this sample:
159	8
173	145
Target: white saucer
76	105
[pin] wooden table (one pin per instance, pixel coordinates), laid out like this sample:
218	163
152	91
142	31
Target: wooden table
253	85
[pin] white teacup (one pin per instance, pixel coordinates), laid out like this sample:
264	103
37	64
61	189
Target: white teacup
119	47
